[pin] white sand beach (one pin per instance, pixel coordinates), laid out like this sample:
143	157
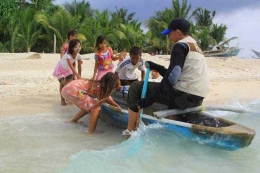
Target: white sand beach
27	86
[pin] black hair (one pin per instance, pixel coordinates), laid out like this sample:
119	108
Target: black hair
72	44
71	33
135	51
107	83
100	39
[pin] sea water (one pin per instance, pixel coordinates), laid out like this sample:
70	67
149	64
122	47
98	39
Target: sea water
44	143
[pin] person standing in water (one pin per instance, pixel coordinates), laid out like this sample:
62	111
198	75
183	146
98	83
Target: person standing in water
88	95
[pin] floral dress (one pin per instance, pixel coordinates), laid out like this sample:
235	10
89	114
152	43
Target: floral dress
105	64
80	94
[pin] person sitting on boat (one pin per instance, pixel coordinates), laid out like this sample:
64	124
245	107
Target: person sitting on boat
89	95
185	82
126	69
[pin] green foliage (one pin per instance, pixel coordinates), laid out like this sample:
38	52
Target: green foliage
59	23
29	31
218	32
122	16
204	17
79	9
8	8
160	21
31	25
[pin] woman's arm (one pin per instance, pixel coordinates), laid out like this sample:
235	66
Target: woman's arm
112	102
73	69
95	70
79	67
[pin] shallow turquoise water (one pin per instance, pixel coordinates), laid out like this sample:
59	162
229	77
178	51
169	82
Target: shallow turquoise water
44	143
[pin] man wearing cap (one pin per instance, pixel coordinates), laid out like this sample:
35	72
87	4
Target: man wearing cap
185	82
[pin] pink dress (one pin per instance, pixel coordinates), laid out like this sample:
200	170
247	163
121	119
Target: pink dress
64	48
62	68
77	92
105	64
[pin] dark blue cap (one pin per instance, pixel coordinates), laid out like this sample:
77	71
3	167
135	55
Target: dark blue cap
180	24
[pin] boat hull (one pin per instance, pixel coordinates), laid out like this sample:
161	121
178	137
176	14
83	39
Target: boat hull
231	137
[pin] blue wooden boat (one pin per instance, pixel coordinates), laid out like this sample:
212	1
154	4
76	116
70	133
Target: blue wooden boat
202	127
217	53
234	51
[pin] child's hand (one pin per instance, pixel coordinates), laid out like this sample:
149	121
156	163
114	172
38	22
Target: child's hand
118	107
119	88
122	56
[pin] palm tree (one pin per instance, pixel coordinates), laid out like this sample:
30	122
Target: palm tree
8	13
204	40
204	17
218	32
79	9
12	29
59	23
100	24
122	14
132	35
161	20
29	30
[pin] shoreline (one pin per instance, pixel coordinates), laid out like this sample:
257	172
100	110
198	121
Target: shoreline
29	87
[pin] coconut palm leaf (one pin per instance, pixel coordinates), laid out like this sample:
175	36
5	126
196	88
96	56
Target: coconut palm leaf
122	15
204	17
59	23
79	9
218	32
29	30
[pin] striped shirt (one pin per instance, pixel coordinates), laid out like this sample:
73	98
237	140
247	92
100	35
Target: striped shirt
126	70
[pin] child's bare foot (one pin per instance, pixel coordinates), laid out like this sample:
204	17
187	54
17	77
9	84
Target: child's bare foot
63	103
88	132
74	122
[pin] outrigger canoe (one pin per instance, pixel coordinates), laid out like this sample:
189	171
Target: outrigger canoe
202	127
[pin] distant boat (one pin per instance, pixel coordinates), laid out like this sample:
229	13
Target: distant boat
223	50
232	51
257	53
217	53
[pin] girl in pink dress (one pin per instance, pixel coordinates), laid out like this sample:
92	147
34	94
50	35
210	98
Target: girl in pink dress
70	36
88	95
64	70
103	58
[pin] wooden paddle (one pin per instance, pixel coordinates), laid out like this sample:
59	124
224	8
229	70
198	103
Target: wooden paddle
166	113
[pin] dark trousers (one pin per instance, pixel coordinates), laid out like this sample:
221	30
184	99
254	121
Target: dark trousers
174	100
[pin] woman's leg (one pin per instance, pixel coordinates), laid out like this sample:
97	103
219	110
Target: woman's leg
93	121
62	84
79	115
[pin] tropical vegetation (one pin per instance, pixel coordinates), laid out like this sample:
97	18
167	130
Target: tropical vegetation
42	26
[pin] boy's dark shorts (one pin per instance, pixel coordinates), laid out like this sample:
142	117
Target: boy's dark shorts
174	100
67	78
127	82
